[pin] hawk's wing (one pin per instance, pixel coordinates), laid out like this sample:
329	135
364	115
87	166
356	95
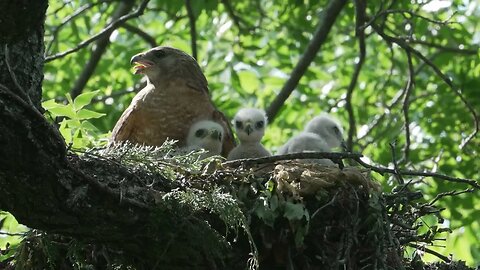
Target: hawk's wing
228	140
125	126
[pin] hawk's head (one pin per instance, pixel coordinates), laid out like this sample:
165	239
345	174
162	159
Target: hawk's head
328	128
206	135
160	62
250	124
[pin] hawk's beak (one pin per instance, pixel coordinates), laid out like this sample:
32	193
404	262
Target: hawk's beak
140	63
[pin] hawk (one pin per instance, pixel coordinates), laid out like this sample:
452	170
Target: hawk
207	135
250	127
321	134
175	97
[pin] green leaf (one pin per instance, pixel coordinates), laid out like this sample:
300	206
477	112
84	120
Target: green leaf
63	110
49	104
294	211
84	99
88	114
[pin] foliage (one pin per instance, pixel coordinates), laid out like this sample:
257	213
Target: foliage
248	49
74	126
11	233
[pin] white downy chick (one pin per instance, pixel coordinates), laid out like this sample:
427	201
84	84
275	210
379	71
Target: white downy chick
250	127
207	135
321	134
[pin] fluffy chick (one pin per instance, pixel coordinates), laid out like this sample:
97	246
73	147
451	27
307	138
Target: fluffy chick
207	135
321	134
250	128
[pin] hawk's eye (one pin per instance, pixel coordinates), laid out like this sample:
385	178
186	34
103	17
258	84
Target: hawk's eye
200	133
259	124
239	124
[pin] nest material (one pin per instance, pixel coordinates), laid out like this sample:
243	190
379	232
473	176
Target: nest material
281	215
324	218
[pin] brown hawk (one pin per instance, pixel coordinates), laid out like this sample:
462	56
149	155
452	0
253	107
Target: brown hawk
175	97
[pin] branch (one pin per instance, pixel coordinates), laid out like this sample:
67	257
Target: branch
406	105
383	170
106	30
70	18
445	48
237	20
99	49
404	45
450	193
144	35
193	31
21	90
360	33
324	27
305	155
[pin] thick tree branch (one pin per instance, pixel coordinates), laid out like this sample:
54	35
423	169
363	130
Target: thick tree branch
329	16
114	25
99	49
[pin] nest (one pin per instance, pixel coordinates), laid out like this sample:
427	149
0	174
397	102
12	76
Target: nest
274	215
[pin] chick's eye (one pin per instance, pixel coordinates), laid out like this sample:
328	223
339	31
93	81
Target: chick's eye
200	133
238	124
259	124
336	130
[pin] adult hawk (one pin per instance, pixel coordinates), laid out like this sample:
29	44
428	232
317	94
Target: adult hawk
175	97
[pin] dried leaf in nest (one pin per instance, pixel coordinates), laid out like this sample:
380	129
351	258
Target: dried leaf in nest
305	179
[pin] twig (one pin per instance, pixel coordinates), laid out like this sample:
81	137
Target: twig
383	170
404	45
12	234
395	163
324	27
193	31
21	90
360	7
100	46
406	106
144	35
70	18
106	30
305	155
450	193
427	250
403	12
444	48
237	20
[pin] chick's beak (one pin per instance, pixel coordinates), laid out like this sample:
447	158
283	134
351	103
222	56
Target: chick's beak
216	135
248	128
343	144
